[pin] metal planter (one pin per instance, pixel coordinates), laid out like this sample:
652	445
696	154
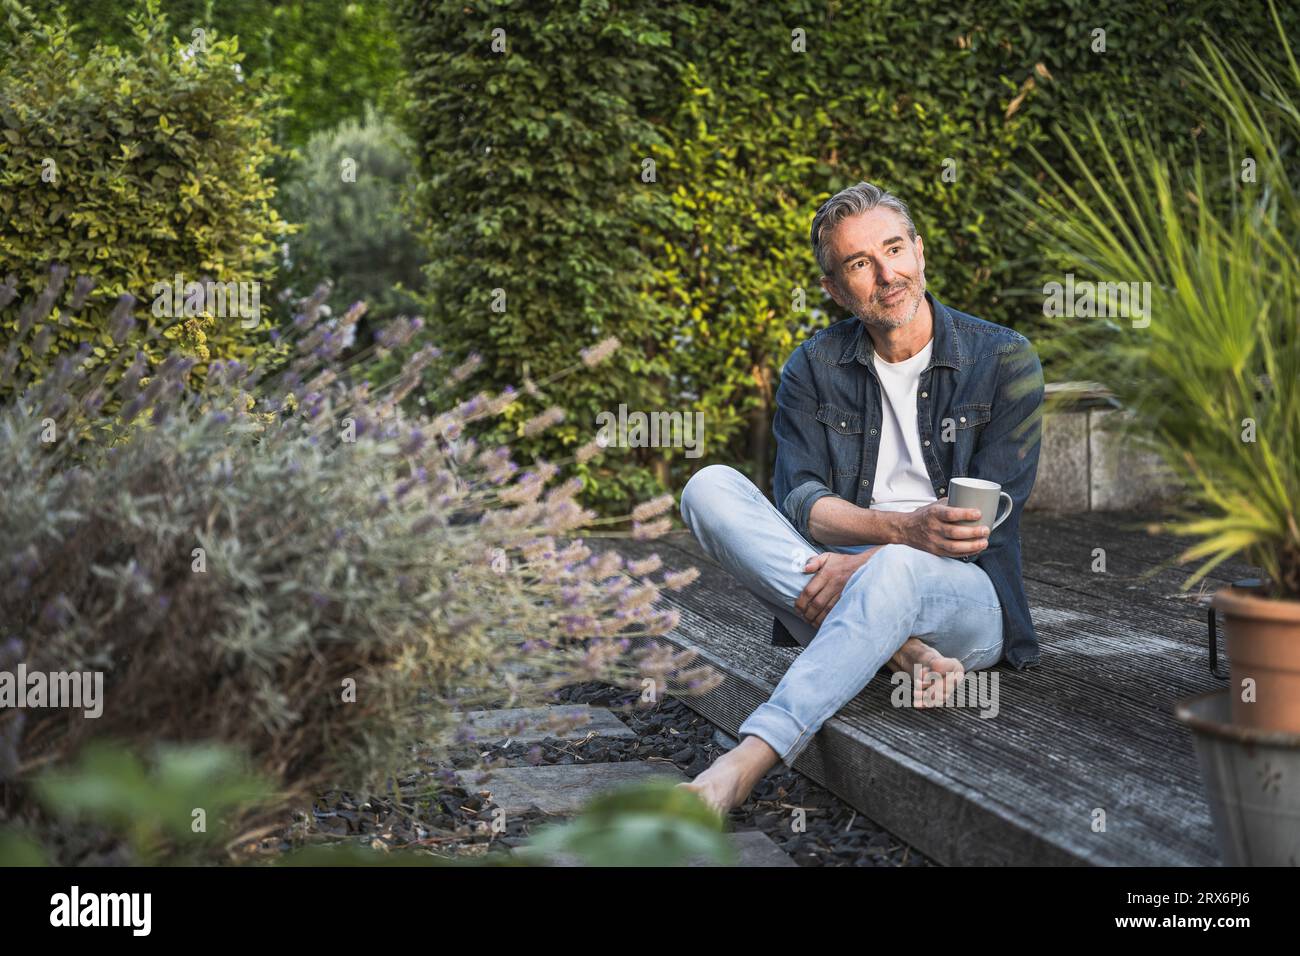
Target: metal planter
1252	780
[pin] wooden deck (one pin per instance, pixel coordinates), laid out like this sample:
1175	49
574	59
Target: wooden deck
1090	729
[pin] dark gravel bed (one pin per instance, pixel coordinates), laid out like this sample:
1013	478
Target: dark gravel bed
428	812
451	823
835	834
436	815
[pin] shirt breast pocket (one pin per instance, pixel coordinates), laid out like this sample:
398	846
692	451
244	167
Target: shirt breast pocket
969	421
844	436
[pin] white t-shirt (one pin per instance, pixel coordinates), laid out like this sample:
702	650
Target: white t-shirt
902	482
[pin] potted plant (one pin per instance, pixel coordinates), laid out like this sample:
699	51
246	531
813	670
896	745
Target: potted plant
1180	291
1187	310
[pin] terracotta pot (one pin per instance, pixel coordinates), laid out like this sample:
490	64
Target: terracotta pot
1263	644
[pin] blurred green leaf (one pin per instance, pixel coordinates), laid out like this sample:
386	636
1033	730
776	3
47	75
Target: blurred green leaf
18	850
655	823
111	785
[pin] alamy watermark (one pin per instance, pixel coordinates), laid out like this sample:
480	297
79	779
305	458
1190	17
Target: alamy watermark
179	299
652	430
75	908
80	690
978	689
1085	299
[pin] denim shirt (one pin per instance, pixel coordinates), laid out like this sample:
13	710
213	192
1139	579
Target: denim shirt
978	410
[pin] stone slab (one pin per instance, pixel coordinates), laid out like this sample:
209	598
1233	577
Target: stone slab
1079	396
1123	476
756	848
753	848
1063	476
519	724
560	789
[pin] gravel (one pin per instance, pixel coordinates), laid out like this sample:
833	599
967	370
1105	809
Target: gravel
434	814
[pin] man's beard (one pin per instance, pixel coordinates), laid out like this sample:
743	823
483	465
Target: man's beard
875	313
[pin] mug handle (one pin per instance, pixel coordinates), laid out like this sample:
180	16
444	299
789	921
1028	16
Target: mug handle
1011	502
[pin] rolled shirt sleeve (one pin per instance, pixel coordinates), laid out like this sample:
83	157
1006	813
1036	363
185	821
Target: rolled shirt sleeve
803	466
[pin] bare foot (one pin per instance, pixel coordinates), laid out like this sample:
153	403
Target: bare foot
727	782
938	675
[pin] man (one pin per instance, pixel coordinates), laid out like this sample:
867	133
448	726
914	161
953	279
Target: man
874	415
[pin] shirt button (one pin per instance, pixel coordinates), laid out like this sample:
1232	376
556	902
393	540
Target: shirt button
926	443
925	394
865	482
873	431
963	418
846	424
942	490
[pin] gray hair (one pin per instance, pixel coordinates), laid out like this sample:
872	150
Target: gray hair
852	201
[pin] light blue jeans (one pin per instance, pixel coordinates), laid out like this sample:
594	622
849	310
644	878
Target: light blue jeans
900	592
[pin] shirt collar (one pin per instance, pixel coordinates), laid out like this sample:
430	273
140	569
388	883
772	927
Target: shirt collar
946	350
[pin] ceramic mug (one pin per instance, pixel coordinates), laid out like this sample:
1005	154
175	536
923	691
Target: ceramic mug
985	495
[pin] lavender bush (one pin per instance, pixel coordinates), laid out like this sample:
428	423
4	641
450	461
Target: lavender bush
287	561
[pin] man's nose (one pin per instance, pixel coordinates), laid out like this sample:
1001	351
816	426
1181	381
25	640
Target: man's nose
885	276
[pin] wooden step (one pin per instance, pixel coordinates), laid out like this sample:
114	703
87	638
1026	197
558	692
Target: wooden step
1086	736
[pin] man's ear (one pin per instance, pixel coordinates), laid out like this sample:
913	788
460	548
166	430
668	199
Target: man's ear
832	290
920	252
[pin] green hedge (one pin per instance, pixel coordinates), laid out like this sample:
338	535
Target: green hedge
130	166
532	163
530	185
329	58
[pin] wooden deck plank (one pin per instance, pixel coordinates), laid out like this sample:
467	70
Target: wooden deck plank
1066	538
1091	727
994	754
1092	622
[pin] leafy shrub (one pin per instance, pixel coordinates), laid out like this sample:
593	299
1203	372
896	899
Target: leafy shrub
344	189
284	562
328	58
1210	371
532	162
132	166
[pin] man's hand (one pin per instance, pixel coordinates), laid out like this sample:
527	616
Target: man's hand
932	529
831	571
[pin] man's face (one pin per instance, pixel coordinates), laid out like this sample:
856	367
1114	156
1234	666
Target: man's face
879	274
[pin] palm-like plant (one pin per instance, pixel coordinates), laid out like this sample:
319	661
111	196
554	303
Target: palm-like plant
1212	380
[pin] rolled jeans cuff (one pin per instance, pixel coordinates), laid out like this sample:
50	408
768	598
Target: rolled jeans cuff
779	728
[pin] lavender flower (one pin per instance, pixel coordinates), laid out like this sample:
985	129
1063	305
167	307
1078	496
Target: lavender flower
599	352
311	574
